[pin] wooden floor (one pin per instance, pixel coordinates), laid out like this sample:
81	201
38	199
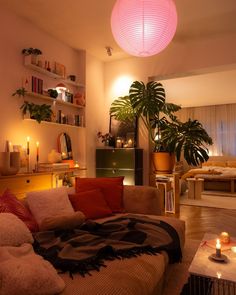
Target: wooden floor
200	220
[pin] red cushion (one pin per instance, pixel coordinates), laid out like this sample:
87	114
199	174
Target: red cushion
10	204
91	203
111	187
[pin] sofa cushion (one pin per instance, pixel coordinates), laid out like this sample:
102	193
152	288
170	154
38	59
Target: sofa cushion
64	221
111	187
48	203
13	231
10	204
92	203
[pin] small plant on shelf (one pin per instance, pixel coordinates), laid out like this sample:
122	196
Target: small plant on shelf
20	92
37	112
107	138
30	50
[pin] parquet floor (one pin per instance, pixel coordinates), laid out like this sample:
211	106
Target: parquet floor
200	220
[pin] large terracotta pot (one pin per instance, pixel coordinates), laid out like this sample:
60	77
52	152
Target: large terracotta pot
163	161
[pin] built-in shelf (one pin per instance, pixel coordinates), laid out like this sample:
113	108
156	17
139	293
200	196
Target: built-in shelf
57	101
52	75
52	123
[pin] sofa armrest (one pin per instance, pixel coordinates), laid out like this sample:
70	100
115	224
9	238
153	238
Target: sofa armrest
142	200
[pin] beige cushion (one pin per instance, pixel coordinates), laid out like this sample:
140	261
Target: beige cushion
231	164
64	221
13	231
48	203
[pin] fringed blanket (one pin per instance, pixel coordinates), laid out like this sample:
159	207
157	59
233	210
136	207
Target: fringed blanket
88	247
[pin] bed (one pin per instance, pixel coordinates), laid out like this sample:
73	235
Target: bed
219	174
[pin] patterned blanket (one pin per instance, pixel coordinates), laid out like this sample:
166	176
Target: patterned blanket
88	247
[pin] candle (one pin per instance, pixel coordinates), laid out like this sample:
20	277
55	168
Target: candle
130	143
218	248
28	150
37	151
224	238
118	143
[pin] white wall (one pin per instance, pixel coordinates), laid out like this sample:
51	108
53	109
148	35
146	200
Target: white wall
16	34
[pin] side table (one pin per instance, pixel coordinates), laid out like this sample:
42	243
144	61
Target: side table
215	278
195	187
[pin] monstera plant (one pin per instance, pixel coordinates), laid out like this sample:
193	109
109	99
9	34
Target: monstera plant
170	136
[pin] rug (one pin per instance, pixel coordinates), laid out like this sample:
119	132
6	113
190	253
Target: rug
177	274
207	200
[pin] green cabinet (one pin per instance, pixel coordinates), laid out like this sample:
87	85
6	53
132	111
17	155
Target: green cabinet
127	162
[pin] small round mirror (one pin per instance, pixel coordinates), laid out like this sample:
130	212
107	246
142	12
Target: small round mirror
64	146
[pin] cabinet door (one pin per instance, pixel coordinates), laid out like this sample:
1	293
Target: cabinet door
119	158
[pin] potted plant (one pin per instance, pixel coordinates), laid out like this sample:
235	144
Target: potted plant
170	137
37	112
31	54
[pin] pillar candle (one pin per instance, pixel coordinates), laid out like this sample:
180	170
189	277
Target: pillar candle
218	248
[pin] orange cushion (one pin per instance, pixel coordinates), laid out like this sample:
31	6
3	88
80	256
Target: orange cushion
111	187
91	203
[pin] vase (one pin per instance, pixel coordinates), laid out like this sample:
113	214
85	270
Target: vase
9	163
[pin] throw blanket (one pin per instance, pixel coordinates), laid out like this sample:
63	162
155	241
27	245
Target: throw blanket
86	248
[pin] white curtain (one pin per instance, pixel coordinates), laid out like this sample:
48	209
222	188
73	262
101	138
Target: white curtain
220	123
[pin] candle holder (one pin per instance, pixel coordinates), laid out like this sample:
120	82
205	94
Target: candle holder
222	258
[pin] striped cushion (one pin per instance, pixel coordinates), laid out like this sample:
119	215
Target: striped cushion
10	204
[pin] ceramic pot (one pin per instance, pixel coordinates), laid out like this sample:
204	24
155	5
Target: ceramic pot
9	163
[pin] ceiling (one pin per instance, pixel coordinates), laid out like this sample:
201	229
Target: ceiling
85	24
202	89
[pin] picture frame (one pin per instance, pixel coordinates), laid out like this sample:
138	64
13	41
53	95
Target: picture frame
126	131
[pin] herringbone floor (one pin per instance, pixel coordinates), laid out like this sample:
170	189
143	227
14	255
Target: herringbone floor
200	220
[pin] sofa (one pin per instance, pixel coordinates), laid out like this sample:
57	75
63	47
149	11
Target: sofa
143	274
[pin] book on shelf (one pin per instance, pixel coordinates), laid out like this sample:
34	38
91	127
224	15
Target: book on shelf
52	166
169	201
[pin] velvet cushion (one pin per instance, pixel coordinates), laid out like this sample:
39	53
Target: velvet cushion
111	187
48	203
92	203
10	204
64	221
13	231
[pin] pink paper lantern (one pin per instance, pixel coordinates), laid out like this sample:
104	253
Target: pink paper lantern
143	27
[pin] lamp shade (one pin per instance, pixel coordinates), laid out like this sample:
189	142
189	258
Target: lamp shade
143	27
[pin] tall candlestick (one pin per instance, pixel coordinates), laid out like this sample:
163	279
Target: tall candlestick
37	151
28	153
28	149
218	248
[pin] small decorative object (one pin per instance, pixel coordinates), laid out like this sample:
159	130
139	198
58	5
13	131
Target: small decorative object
79	99
224	238
130	143
68	97
54	157
76	164
106	138
60	70
53	93
233	249
72	78
218	257
9	163
119	142
143	28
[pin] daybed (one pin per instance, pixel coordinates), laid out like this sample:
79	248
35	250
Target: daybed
218	175
143	274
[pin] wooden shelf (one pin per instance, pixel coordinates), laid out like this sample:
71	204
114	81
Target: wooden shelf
53	123
57	101
52	75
